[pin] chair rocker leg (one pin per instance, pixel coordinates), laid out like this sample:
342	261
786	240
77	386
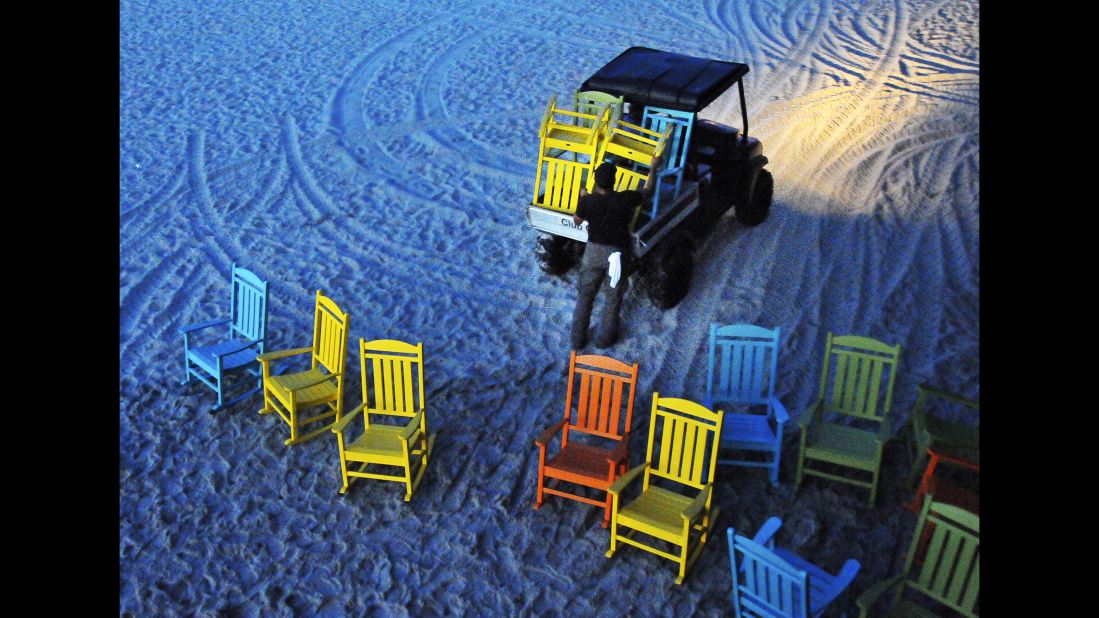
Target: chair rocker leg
268	405
343	474
614	533
538	491
240	397
421	468
706	527
296	439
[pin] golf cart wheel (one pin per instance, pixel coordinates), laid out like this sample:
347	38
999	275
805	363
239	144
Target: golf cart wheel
667	273
557	255
754	208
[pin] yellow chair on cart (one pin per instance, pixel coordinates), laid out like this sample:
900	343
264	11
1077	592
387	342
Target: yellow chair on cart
290	394
567	145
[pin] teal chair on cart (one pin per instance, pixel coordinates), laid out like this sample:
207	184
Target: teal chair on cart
777	583
658	119
236	353
741	375
856	388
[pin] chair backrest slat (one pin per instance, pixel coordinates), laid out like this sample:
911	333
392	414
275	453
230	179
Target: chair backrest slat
248	305
748	363
330	327
763	583
658	119
688	441
604	383
591	102
859	368
395	371
950	573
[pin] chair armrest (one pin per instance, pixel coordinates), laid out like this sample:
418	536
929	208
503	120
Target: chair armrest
277	354
626	479
409	431
319	380
244	345
766	534
621	450
948	396
781	415
808	414
871	595
696	505
201	325
846	575
547	435
342	424
945	455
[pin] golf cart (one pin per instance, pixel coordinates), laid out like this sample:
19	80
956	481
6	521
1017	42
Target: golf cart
640	112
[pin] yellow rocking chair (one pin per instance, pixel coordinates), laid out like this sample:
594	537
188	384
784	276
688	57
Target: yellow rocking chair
688	456
321	385
397	370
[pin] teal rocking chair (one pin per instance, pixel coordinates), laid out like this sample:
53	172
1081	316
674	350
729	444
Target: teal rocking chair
777	583
236	353
741	374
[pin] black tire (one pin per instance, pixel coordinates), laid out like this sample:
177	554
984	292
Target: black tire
755	207
667	271
557	255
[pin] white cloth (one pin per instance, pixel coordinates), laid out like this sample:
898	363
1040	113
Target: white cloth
615	268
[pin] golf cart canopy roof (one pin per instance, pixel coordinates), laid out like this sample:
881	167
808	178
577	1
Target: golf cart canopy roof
663	79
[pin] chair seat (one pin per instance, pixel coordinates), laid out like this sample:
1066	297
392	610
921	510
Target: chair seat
206	356
379	443
908	609
658	511
280	386
950	493
581	460
842	445
632	149
965	440
822	587
748	431
570	139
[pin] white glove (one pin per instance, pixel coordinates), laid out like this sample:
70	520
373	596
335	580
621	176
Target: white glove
615	268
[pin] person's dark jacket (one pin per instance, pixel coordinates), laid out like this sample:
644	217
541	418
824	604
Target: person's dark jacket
608	216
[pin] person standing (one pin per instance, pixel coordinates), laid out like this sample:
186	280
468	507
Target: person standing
607	260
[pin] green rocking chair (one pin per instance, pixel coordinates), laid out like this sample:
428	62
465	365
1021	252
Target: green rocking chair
860	392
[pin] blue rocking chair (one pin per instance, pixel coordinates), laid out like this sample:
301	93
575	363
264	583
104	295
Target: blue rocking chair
775	582
236	353
741	373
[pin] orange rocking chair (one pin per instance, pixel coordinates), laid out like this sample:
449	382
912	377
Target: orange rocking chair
605	384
